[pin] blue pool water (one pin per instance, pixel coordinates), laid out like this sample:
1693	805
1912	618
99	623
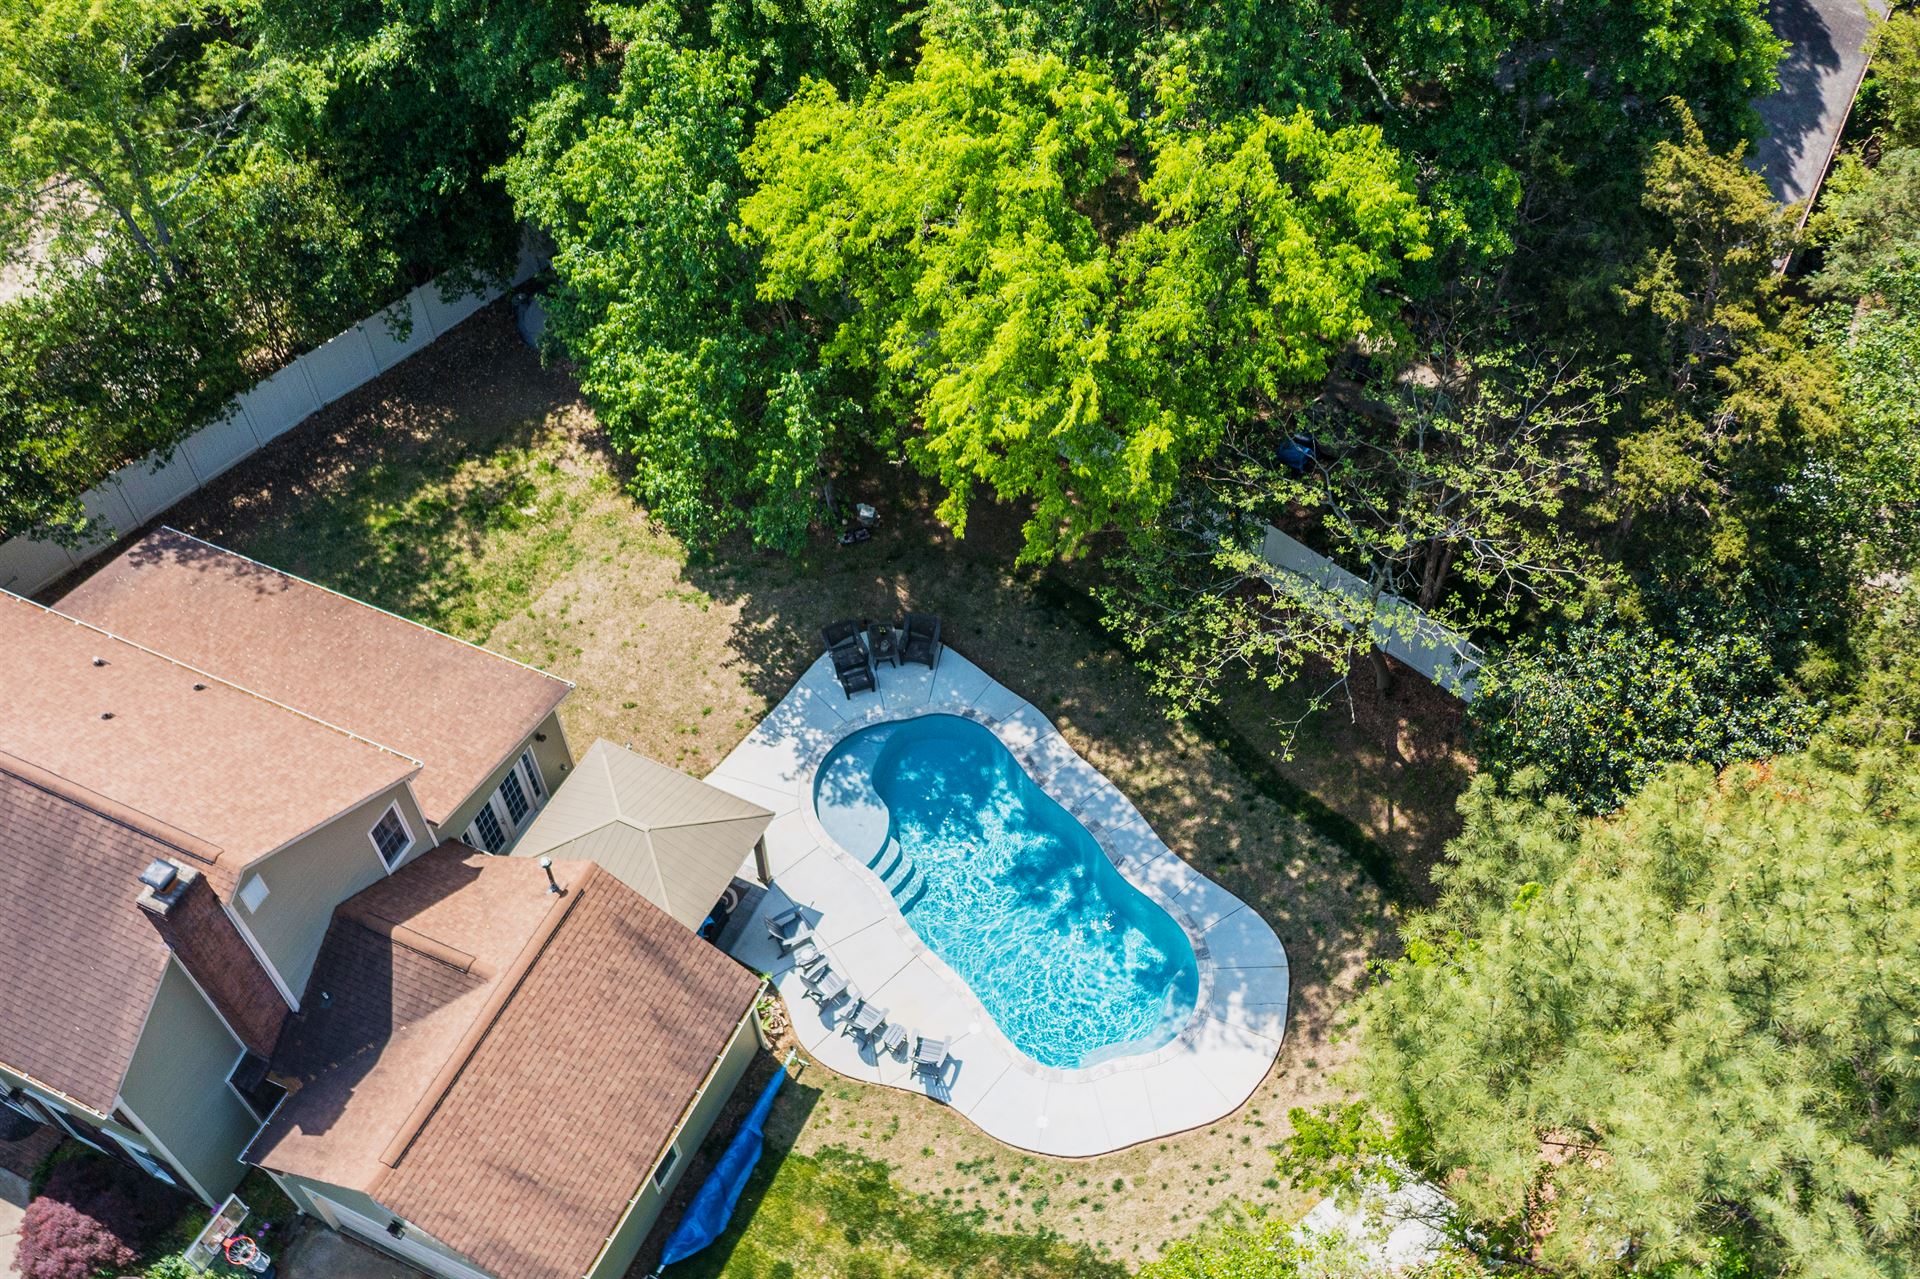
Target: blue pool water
1075	964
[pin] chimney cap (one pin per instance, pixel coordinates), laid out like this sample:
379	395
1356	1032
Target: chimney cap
159	874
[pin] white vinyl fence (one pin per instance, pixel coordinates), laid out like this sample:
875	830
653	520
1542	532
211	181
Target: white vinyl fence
1406	634
136	493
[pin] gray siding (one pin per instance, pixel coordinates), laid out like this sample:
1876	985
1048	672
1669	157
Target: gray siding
644	1211
307	879
177	1086
552	755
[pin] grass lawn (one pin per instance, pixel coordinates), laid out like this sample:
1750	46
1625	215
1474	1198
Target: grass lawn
470	490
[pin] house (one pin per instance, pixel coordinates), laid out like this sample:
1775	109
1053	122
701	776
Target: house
499	1080
248	821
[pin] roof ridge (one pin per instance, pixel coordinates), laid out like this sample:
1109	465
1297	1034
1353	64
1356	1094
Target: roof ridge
484	1022
685	780
711	821
218	679
109	809
431	630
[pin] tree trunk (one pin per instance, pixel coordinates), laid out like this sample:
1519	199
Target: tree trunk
1434	580
1382	673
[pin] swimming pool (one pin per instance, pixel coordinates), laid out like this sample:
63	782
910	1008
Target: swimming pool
1075	964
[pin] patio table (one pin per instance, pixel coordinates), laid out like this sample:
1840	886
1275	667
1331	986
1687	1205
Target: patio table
883	642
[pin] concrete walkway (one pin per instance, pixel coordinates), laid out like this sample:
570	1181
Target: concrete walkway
13	1203
1825	61
1213	1065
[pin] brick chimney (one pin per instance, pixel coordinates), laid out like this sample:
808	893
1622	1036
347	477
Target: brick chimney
187	913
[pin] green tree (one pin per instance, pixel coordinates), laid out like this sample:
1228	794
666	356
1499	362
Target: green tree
1738	399
717	398
1871	325
1881	707
407	106
1688	1027
289	257
1277	1251
94	375
113	111
1068	320
1896	76
1601	705
1442	491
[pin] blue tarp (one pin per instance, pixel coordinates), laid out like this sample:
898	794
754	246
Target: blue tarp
707	1216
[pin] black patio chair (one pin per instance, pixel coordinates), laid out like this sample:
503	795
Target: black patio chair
852	663
839	634
857	679
921	642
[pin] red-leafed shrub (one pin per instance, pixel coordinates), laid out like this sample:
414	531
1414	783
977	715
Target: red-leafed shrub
94	1215
58	1241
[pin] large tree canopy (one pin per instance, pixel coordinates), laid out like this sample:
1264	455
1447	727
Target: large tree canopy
1069	304
1696	1021
720	401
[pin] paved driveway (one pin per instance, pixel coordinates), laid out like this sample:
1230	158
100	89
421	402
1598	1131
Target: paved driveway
13	1202
1801	120
320	1253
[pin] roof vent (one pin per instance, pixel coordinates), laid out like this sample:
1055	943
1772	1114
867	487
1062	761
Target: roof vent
106	714
99	661
159	875
199	688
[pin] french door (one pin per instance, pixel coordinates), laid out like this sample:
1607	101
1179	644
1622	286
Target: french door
511	807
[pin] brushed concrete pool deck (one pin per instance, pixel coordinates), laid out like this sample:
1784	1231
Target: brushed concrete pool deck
1206	1072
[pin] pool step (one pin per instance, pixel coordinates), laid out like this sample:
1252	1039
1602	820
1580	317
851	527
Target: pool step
888	860
901	875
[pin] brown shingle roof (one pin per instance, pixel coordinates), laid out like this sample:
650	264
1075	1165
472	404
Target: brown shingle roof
81	961
456	708
497	1065
180	748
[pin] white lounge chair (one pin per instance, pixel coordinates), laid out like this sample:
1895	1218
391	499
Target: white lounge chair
930	1057
789	928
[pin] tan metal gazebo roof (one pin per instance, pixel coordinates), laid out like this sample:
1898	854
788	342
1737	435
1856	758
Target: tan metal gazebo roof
671	838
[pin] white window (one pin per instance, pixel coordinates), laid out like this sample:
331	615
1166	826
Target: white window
533	775
254	891
391	835
665	1167
78	1129
140	1155
486	829
514	795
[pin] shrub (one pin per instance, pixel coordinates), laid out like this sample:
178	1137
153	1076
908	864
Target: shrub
1601	705
58	1241
93	1214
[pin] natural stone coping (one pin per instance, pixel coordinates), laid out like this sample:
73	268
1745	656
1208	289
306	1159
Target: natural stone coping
1227	1045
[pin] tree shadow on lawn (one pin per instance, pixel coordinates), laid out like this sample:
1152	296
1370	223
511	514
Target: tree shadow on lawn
397	493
